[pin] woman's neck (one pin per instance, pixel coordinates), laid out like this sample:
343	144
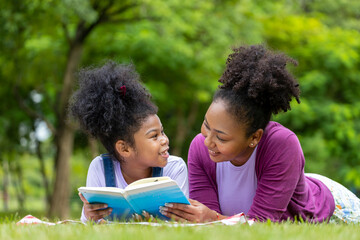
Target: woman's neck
243	159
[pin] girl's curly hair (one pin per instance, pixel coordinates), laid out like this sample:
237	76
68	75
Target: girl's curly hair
256	85
111	104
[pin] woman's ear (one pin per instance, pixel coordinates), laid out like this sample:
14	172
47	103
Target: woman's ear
256	137
123	148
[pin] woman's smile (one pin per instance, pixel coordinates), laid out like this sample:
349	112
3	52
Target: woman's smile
225	138
213	153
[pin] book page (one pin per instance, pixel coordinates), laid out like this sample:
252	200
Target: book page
148	180
102	190
150	196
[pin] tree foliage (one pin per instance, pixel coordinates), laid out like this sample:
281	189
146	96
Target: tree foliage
180	48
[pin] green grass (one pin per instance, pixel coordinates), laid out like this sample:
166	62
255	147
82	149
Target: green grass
9	230
35	206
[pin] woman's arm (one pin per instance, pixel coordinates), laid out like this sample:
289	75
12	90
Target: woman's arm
202	175
203	188
282	163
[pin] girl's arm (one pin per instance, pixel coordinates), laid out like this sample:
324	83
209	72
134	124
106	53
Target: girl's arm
95	178
94	212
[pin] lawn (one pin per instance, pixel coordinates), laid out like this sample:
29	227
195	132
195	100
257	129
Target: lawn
9	230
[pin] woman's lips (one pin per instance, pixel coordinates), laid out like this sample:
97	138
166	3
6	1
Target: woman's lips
213	153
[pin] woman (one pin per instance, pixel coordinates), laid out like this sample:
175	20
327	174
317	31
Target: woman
243	162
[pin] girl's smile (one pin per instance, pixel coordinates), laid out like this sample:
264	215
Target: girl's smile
165	153
150	150
151	144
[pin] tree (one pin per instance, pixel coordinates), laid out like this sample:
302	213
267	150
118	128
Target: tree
15	124
78	19
179	56
89	15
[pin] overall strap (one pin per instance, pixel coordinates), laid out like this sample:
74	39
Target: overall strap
110	173
157	172
108	170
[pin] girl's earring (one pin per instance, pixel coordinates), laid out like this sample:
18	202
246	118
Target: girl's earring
251	144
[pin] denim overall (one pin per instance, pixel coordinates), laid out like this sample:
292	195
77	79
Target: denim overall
110	173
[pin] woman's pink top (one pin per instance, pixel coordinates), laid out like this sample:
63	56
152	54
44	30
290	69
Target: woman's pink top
283	191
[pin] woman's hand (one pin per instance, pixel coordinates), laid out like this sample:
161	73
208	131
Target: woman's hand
145	217
95	211
196	212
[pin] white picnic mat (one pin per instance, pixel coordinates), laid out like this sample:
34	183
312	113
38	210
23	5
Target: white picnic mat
236	219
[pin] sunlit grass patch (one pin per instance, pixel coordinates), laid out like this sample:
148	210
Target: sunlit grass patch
9	230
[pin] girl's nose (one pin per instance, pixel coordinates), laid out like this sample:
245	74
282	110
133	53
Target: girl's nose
164	140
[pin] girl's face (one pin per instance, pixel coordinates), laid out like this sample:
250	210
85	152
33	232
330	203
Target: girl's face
225	138
151	144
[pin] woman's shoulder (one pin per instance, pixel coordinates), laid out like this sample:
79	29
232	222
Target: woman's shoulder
197	145
277	133
275	127
198	139
277	142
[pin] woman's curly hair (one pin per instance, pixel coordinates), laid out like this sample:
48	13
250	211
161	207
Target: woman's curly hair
111	104
256	84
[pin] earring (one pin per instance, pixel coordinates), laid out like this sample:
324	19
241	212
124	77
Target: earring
251	144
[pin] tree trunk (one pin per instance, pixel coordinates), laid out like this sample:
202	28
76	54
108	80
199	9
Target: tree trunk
93	145
20	190
65	132
60	198
180	133
184	124
43	174
64	140
5	184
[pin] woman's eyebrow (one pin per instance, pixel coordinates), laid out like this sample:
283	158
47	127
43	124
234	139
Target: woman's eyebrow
206	121
218	131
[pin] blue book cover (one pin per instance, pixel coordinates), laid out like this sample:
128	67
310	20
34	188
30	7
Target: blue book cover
146	194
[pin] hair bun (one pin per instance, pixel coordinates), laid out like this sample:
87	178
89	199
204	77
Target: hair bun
261	77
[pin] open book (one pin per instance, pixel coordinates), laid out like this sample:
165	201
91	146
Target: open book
146	194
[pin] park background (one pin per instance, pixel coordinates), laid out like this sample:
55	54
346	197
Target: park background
179	47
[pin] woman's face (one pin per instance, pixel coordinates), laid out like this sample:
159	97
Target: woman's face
226	138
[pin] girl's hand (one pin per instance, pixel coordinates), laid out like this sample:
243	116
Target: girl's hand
95	211
196	212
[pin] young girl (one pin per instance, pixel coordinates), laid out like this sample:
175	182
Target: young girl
243	162
114	107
